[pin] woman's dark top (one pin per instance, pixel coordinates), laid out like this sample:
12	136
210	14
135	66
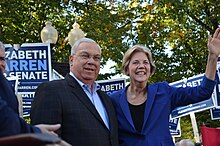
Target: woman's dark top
137	114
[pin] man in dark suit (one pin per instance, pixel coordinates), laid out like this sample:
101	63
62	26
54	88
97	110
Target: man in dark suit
10	122
6	89
86	113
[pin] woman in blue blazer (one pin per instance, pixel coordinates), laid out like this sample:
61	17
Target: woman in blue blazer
143	109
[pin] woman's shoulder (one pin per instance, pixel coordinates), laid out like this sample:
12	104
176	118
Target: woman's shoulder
117	93
162	83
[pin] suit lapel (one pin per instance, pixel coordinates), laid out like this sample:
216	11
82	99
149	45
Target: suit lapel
152	90
7	93
125	107
108	108
81	95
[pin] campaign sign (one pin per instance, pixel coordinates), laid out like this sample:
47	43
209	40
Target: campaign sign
31	63
215	113
28	97
173	123
218	84
200	106
27	101
174	127
175	131
13	80
110	86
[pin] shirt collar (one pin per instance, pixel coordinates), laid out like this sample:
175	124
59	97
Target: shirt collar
95	85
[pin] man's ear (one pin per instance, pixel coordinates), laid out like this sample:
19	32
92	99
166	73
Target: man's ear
71	60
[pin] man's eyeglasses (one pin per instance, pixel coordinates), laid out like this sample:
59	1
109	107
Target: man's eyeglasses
87	56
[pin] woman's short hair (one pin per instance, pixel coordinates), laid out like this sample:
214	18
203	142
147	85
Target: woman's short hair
78	42
130	52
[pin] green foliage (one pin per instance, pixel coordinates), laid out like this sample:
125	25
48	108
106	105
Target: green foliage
27	119
186	128
175	30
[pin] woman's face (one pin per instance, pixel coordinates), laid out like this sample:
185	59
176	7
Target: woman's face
139	67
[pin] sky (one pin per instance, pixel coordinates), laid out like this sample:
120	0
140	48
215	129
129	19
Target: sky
107	69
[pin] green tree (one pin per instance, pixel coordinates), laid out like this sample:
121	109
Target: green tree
175	30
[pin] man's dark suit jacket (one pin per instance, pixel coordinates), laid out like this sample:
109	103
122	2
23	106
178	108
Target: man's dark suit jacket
65	102
10	122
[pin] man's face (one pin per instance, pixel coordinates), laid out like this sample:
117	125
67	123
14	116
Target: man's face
2	59
85	64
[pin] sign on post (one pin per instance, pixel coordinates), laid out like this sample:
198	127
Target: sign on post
174	126
31	64
110	86
196	107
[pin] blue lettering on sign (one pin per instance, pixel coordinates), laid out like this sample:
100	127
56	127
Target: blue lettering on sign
30	63
25	65
26	54
110	86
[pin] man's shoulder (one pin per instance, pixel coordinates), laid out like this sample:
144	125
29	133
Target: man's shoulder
60	83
